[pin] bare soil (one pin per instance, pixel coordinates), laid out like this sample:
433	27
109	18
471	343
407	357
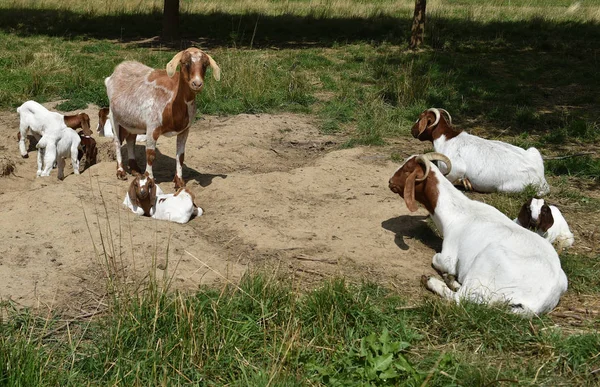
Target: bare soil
278	197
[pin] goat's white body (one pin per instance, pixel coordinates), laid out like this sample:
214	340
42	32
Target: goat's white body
55	145
37	119
492	165
178	208
494	259
107	131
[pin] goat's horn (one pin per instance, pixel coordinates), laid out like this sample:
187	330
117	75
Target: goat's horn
423	160
437	116
438	156
449	116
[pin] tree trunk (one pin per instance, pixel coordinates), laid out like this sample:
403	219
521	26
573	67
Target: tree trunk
418	27
170	30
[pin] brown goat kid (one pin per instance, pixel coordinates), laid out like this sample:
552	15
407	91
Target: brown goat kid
157	102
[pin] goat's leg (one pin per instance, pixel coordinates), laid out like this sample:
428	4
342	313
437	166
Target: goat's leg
22	136
40	161
74	159
466	183
49	157
117	141
451	282
438	287
181	139
133	166
150	151
444	263
60	164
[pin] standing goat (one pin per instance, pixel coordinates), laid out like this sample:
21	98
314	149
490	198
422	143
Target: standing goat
56	145
38	119
479	164
547	221
485	256
157	102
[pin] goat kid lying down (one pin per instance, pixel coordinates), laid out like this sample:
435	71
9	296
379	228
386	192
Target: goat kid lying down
146	198
547	221
479	164
491	257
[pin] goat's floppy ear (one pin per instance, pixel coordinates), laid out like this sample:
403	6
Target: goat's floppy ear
409	192
423	123
85	124
215	68
546	218
173	63
133	192
524	217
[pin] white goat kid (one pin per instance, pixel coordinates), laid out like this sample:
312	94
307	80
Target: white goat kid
547	221
36	119
479	164
492	258
145	197
56	145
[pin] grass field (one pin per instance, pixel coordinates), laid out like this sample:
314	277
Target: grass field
525	71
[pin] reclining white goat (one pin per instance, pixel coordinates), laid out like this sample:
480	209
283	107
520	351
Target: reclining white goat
492	258
547	221
479	164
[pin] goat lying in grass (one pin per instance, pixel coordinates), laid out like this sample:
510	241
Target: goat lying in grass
485	257
146	198
479	164
547	221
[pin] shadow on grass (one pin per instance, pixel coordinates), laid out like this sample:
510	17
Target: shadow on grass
509	77
412	226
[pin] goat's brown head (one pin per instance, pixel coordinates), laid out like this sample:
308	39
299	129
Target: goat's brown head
88	145
194	63
81	120
142	192
432	124
414	182
536	214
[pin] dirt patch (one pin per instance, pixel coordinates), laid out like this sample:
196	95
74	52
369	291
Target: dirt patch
278	196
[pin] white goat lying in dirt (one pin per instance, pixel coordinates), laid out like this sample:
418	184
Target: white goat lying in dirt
479	164
547	221
146	198
485	257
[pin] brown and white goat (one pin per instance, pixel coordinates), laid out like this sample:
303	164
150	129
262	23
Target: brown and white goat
157	102
479	164
141	196
485	257
37	119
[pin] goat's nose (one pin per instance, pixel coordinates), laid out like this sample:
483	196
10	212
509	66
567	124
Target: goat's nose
196	84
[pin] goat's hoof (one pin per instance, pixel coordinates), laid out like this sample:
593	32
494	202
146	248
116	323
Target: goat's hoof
179	183
424	280
25	156
121	175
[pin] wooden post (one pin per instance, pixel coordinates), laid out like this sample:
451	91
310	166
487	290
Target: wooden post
170	28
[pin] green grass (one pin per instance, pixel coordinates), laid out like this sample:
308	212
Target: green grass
266	333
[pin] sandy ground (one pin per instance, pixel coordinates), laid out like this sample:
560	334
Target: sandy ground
277	195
